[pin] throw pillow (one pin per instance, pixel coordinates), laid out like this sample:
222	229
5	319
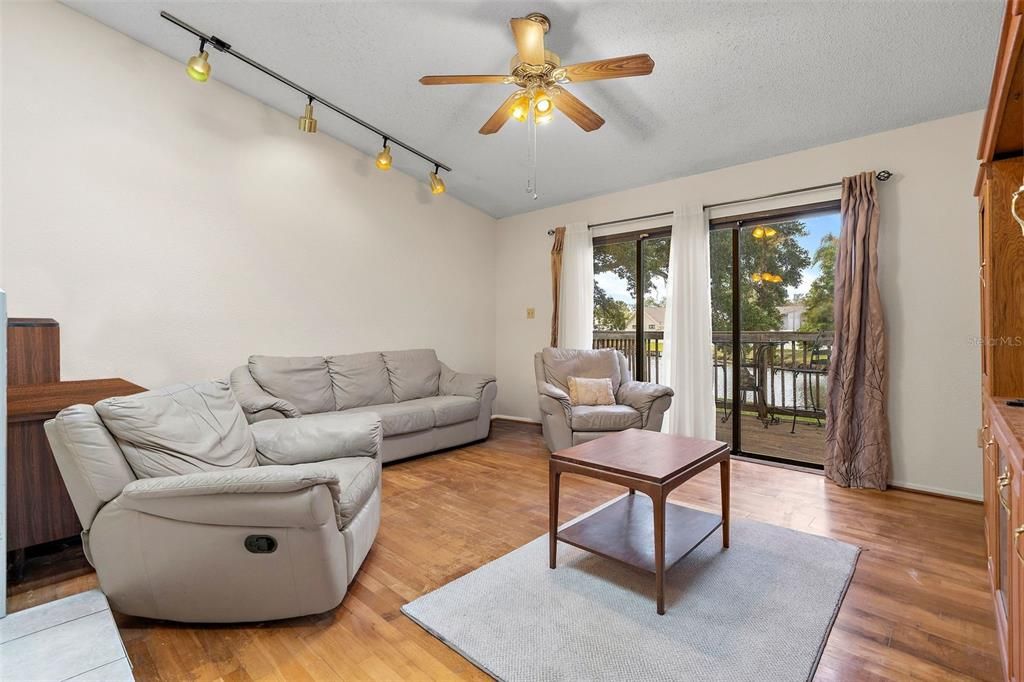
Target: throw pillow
590	391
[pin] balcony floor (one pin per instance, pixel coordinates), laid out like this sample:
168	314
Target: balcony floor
806	445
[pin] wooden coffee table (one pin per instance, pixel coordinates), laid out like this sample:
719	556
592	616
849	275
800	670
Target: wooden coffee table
649	533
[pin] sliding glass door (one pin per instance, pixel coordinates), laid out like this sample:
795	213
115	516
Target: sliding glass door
630	281
772	277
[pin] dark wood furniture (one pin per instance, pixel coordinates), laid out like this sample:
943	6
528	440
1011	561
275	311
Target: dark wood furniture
33	350
38	507
651	534
1001	271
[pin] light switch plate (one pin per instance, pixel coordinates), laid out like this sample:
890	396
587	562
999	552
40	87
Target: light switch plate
531	313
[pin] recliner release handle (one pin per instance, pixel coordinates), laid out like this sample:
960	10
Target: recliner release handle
260	544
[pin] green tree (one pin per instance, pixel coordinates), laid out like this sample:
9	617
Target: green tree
610	314
779	254
818	315
620	258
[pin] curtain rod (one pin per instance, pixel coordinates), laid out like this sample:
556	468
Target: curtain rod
222	46
881	176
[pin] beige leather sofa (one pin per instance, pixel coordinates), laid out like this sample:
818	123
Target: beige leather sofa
639	404
423	405
191	514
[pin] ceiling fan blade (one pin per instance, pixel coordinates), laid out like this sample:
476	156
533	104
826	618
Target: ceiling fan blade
458	80
616	67
529	37
498	118
578	112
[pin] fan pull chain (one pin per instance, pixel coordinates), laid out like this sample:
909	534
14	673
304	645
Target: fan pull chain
531	152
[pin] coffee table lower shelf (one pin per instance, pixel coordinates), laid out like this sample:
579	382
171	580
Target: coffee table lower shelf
624	531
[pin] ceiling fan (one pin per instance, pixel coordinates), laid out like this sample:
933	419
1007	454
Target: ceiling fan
539	77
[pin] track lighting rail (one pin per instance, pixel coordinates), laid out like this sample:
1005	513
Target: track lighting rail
224	47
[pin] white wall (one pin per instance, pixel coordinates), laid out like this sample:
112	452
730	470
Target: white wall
927	273
173	228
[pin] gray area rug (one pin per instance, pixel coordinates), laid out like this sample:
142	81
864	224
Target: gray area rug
761	610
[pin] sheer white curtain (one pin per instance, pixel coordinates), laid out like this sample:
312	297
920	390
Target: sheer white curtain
687	352
576	318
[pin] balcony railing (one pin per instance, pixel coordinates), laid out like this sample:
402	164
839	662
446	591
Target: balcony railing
625	341
782	373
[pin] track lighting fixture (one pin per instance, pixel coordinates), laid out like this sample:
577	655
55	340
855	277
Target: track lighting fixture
198	67
384	157
436	183
307	123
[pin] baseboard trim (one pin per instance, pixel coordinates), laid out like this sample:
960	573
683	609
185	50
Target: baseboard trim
936	492
510	418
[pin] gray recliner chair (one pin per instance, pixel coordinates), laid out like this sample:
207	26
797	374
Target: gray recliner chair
639	404
190	514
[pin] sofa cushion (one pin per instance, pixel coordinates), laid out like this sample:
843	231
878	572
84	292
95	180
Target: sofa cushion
302	381
359	380
180	429
399	418
605	418
562	363
358	477
317	437
413	373
451	409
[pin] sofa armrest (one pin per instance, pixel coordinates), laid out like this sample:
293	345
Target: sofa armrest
271	496
261	479
254	400
640	395
552	398
317	438
464	384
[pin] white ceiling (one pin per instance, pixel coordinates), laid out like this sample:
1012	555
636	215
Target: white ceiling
733	81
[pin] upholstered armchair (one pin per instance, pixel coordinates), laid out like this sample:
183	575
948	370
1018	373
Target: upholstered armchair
638	404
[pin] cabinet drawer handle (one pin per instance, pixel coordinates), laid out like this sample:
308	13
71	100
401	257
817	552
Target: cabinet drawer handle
1016	542
1003	481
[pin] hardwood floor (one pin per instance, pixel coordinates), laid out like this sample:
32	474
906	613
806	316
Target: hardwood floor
918	607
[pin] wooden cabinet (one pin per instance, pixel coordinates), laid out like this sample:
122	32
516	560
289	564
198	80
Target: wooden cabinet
1001	340
1003	461
1000	261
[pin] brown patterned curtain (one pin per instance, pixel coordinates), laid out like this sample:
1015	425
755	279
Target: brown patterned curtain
857	448
556	281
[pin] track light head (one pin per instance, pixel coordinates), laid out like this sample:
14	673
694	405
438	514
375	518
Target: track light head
384	157
307	123
198	67
436	183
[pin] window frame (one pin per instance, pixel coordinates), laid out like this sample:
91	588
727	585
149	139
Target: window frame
638	237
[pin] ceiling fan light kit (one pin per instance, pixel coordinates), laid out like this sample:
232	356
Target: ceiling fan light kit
540	78
198	68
